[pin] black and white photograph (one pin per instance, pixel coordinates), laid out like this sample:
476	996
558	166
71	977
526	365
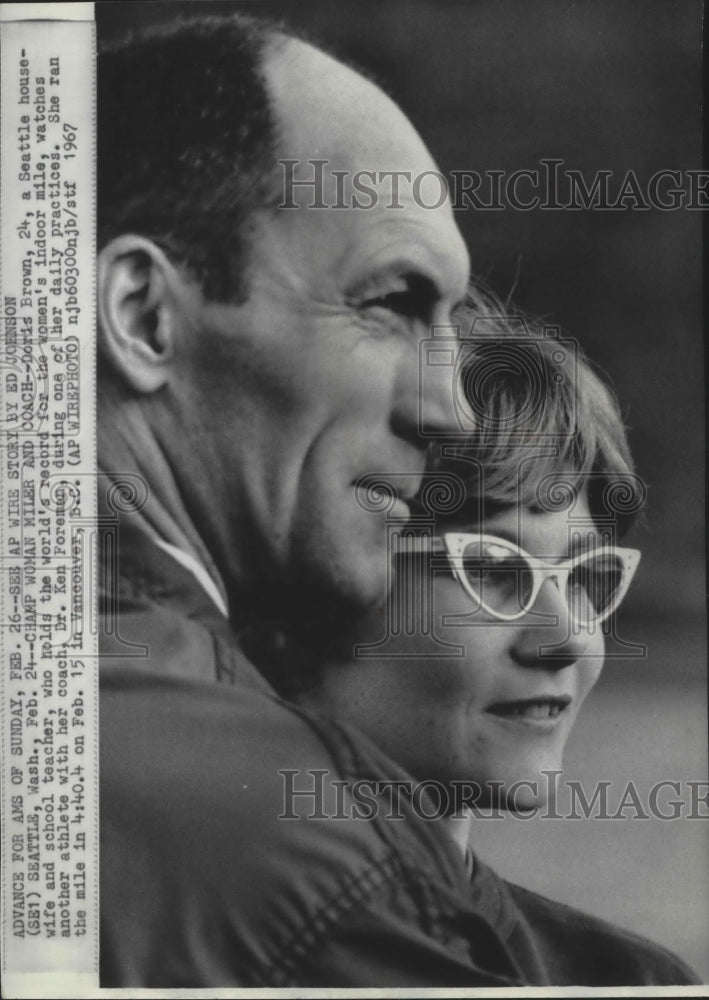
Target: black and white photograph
399	579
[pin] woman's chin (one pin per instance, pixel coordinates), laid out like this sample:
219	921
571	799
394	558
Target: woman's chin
523	805
524	792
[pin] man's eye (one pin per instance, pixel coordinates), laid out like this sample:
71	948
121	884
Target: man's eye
402	303
414	300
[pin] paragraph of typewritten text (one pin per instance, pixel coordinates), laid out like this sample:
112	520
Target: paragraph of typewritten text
48	509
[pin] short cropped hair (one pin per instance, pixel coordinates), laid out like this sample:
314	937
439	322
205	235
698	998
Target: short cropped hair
187	142
544	423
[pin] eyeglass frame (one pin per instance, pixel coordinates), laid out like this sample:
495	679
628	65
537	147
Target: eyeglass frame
452	545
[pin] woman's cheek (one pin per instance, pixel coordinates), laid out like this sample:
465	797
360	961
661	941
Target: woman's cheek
591	666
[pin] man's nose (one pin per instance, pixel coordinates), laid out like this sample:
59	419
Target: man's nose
547	636
428	403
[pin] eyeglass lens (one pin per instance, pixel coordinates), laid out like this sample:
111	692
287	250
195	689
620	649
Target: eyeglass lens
503	580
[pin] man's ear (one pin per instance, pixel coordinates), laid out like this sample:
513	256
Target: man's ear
138	321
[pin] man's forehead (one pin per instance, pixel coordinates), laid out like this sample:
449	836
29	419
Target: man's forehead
330	111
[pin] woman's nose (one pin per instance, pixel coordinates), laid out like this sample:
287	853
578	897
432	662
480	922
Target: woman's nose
548	636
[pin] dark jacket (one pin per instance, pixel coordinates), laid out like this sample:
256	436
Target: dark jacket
205	883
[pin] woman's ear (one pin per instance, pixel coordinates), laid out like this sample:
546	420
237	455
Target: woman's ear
137	319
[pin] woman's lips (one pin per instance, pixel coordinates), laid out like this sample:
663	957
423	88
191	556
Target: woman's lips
541	713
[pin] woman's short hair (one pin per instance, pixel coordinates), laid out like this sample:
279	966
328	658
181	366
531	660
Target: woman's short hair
539	422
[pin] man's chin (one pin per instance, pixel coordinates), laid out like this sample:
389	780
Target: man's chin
333	593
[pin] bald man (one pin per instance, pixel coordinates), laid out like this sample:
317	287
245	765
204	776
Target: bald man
256	364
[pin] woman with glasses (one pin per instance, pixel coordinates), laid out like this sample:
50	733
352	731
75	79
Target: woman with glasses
493	633
471	678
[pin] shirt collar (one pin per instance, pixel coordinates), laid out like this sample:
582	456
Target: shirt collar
197	570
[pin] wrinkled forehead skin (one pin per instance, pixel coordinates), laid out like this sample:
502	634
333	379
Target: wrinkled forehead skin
327	111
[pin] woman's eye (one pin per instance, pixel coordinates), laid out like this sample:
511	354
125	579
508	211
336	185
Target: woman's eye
503	579
482	571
